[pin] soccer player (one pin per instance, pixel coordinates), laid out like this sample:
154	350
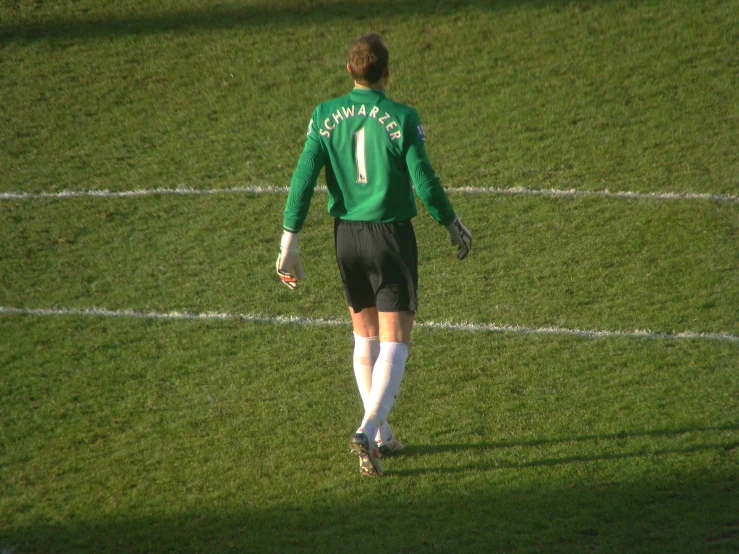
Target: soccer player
373	151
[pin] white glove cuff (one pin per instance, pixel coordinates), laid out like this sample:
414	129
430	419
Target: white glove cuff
453	227
289	240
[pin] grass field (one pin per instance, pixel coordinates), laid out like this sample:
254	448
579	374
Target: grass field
188	416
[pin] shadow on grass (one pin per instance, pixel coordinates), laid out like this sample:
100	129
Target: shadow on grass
551	462
420	450
230	17
676	517
685	512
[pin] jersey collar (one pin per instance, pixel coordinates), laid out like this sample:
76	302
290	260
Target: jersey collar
368	91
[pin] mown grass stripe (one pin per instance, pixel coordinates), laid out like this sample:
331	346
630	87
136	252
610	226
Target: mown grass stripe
266	189
298	320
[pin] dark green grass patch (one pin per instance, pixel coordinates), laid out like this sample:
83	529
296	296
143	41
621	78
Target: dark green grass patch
141	436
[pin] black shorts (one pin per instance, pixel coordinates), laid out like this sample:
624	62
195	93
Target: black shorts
378	263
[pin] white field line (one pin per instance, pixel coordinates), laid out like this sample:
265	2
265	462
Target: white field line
598	193
320	322
181	191
256	189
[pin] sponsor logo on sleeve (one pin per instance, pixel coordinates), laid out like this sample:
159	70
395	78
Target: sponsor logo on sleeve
421	134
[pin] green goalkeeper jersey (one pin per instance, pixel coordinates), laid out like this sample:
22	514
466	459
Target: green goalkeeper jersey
374	153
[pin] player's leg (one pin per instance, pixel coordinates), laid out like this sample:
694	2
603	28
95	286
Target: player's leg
366	323
366	351
387	374
395	280
366	348
361	299
359	294
366	327
396	326
395	335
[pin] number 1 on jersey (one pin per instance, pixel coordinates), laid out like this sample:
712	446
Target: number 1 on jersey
359	151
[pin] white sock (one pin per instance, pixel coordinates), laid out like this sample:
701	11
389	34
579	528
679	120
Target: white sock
366	350
386	377
384	434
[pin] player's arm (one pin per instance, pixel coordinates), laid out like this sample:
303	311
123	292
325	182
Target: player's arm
429	189
302	184
303	181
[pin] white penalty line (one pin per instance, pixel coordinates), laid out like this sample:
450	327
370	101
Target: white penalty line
320	322
257	189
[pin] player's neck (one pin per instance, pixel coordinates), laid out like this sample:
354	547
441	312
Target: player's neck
379	85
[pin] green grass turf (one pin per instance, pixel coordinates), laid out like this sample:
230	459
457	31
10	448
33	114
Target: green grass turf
593	94
141	435
146	436
576	263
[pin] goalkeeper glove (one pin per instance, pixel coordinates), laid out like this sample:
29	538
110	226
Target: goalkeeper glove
460	237
289	266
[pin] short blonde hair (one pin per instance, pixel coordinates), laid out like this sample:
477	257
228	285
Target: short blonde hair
368	58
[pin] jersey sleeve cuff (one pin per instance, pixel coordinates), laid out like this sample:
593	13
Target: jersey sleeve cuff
448	220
